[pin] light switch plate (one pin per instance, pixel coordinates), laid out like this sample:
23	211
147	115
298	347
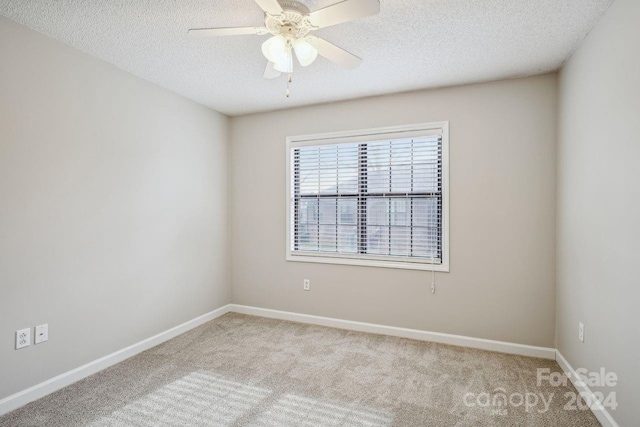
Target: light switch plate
23	338
42	333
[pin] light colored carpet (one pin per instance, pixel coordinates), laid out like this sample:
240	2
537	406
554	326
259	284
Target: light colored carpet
242	370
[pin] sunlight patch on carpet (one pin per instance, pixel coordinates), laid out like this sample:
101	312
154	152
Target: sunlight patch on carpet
199	398
296	411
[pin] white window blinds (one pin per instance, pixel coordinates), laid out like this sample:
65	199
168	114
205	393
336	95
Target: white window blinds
377	199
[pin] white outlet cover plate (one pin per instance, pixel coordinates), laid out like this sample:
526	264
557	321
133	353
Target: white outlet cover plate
42	333
581	331
23	338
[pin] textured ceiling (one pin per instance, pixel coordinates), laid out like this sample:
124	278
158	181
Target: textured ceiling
412	44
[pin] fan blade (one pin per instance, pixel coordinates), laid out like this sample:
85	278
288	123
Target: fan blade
272	7
228	31
334	53
270	72
348	10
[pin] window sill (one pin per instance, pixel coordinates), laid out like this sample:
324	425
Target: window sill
405	265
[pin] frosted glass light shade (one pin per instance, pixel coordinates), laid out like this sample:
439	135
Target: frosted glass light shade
277	50
305	52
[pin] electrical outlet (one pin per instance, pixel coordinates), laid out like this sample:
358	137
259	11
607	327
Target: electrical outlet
307	285
23	338
581	331
42	333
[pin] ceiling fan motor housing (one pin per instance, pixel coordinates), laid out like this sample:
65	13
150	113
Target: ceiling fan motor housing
293	22
294	6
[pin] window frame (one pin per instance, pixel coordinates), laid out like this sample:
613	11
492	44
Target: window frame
368	135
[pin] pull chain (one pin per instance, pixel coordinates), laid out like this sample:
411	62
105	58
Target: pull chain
288	83
433	278
433	267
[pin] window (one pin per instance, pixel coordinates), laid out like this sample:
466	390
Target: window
376	197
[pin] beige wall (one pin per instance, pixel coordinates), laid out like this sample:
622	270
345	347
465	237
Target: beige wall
114	209
113	197
599	205
503	178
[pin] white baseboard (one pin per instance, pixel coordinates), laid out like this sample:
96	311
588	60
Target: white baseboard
598	410
21	398
38	391
459	340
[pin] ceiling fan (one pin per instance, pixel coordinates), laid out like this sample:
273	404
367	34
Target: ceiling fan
289	23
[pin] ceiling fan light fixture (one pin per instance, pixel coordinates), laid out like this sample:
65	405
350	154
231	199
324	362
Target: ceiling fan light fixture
305	52
277	49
